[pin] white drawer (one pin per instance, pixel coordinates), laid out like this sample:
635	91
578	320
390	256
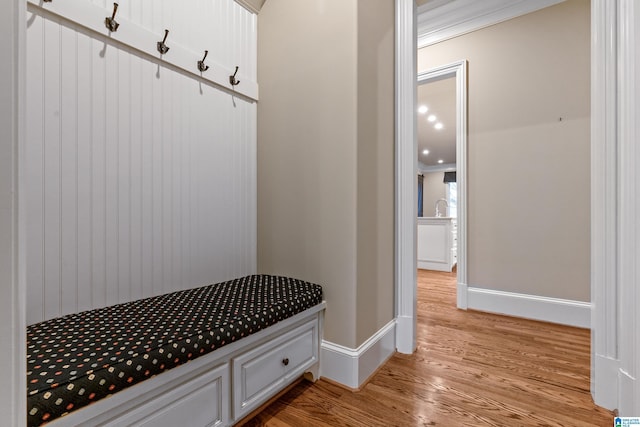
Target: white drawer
201	402
272	366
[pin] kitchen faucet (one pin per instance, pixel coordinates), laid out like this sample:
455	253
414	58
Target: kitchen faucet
446	204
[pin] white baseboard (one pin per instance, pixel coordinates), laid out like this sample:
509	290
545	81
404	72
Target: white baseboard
554	310
352	367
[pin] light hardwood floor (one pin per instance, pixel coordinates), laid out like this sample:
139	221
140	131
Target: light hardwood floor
470	369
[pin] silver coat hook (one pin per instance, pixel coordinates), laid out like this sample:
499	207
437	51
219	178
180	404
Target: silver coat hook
110	22
232	79
162	47
201	66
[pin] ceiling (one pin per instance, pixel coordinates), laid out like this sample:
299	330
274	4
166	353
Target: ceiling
440	98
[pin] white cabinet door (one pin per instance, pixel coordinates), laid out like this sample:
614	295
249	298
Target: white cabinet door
201	402
270	367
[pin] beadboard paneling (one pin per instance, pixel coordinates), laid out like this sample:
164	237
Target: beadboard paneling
140	179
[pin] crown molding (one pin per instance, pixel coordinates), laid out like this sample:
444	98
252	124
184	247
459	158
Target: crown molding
453	18
252	5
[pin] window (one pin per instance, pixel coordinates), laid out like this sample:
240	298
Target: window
420	193
452	198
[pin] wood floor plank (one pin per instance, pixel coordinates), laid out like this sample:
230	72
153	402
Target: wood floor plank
469	369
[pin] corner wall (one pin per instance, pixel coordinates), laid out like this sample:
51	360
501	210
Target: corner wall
307	151
376	173
325	157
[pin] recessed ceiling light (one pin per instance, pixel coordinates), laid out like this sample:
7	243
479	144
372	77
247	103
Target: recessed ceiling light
423	109
432	118
440	161
425	152
438	126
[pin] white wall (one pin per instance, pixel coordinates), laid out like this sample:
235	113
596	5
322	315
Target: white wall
140	179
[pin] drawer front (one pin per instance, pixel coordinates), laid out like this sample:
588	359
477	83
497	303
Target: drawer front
201	402
271	366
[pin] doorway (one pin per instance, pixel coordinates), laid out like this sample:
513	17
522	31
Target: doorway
606	64
458	72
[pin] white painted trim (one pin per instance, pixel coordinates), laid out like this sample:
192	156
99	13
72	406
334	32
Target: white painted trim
606	388
459	70
554	310
352	367
91	16
12	285
464	16
627	394
604	202
406	203
628	208
253	6
462	300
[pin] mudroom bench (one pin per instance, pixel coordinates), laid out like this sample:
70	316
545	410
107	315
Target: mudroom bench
207	356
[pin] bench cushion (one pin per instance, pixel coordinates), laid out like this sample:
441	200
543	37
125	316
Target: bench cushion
80	358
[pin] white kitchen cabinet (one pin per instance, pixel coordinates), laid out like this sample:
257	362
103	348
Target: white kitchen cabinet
437	243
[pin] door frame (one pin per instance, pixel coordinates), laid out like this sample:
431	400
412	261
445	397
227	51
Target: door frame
458	70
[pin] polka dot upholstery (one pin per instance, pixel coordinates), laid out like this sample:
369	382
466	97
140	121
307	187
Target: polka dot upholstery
80	358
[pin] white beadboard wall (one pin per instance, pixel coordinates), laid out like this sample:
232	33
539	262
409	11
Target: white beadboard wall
140	179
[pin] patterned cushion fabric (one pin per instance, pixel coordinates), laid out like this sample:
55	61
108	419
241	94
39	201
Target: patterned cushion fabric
80	358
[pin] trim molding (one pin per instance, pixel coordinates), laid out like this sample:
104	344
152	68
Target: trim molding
406	200
628	210
12	219
604	202
606	388
461	296
554	310
458	70
352	367
459	17
627	397
253	6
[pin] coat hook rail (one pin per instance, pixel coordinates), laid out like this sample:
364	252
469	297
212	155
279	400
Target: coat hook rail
110	22
201	66
232	79
162	47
